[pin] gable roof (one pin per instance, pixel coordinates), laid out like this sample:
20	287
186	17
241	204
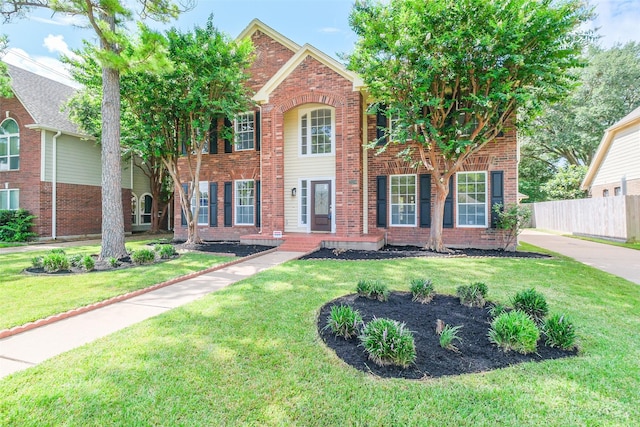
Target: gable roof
43	98
258	25
607	139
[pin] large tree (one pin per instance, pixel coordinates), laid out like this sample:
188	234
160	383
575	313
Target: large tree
109	19
5	81
453	72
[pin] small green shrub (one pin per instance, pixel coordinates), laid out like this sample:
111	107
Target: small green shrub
472	295
344	321
373	289
15	225
57	251
448	335
113	262
514	330
560	332
75	260
388	342
143	256
88	263
497	309
422	290
531	302
55	261
165	250
36	261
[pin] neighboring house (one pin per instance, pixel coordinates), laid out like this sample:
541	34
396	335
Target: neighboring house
297	164
48	167
615	169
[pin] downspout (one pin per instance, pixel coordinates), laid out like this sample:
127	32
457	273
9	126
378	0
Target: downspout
54	187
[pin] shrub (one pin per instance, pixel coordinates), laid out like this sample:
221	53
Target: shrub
448	335
113	262
514	330
165	250
512	219
373	289
531	302
422	290
36	261
344	321
560	332
472	295
388	342
88	263
143	256
15	225
497	309
75	260
57	251
55	261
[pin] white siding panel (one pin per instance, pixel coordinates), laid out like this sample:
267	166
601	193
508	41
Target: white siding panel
78	161
141	183
623	158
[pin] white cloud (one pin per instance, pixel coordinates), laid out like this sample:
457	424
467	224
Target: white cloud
62	20
42	65
330	30
56	44
618	21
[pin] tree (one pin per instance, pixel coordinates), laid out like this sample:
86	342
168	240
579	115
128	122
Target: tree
5	80
565	184
453	72
109	21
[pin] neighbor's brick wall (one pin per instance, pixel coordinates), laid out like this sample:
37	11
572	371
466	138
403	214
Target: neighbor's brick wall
633	188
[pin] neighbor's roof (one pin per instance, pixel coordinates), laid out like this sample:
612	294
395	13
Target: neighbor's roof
43	98
628	120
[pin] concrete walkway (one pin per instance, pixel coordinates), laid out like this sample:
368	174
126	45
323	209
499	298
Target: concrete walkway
29	348
622	262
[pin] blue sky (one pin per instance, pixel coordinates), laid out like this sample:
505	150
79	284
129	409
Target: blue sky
40	38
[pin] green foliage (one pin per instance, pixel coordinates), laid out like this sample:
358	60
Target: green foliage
531	302
143	256
344	321
422	290
36	261
75	260
496	310
565	184
448	335
512	218
514	330
559	332
472	295
113	262
165	250
5	80
88	263
388	342
55	261
15	225
373	289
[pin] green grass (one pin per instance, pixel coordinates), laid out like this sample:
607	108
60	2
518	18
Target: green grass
10	245
633	245
250	355
25	298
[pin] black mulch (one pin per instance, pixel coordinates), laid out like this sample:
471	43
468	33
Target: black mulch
225	247
476	353
390	252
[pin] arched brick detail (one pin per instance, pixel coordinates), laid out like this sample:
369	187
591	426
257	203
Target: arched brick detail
314	97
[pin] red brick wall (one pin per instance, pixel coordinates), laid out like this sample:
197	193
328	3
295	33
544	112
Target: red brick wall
633	188
270	56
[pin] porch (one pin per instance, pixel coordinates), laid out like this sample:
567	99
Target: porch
308	242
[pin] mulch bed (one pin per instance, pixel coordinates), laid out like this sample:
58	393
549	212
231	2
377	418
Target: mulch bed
225	247
392	252
476	353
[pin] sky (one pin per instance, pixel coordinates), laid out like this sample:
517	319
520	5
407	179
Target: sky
37	40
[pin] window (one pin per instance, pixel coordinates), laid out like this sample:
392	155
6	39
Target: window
303	202
403	200
605	193
203	205
9	199
244	131
472	199
145	209
244	202
316	132
134	209
9	146
617	191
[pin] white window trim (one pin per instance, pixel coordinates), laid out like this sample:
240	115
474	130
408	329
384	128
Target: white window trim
9	191
235	131
135	220
195	204
304	111
8	136
141	209
300	205
486	201
235	202
415	197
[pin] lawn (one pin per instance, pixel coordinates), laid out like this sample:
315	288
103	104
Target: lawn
628	245
41	296
250	355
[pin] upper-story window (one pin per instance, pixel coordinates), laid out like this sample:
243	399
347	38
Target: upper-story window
316	132
9	145
244	131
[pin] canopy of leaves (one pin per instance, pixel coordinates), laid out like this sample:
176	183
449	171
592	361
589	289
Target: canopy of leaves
5	81
565	184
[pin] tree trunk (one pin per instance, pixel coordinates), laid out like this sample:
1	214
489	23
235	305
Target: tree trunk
437	218
193	237
112	211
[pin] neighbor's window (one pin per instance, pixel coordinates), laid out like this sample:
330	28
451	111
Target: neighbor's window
134	209
245	200
472	199
316	132
617	191
9	199
403	200
244	131
145	209
203	204
9	145
605	193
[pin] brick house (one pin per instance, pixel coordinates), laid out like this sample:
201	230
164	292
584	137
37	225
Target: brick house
297	166
51	169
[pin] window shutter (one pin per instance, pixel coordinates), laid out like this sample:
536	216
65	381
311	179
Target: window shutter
257	130
183	148
228	140
213	136
257	203
381	125
425	200
381	202
497	194
448	206
213	204
183	217
228	194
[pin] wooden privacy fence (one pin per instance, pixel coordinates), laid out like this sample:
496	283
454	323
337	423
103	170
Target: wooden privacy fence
609	217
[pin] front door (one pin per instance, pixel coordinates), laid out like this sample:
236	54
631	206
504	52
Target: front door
321	206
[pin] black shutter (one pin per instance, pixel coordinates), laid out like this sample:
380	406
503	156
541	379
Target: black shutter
183	217
229	135
213	136
448	206
425	200
381	201
183	148
213	204
257	195
381	125
497	194
257	130
228	194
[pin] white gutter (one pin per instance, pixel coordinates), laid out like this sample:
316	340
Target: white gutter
54	187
